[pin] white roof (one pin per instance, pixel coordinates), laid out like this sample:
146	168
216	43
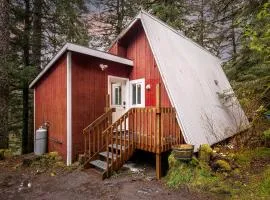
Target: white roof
193	77
82	50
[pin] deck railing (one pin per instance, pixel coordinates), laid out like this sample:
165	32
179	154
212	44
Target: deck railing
94	140
151	129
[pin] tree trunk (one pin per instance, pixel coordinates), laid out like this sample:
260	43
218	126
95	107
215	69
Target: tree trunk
201	34
37	32
26	59
233	33
35	61
4	80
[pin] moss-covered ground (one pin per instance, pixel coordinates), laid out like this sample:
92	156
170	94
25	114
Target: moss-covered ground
241	174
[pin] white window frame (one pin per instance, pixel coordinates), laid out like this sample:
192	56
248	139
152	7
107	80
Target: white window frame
142	82
113	94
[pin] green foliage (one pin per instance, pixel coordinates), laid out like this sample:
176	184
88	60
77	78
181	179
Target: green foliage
264	186
172	12
179	175
226	183
172	161
249	70
244	158
267	134
258	33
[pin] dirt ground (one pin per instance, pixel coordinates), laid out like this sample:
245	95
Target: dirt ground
133	182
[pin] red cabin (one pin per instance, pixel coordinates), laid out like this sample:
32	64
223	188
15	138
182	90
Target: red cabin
107	104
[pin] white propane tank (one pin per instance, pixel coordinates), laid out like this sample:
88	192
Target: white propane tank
40	141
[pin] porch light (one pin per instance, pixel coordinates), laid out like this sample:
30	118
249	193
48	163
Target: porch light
148	87
103	67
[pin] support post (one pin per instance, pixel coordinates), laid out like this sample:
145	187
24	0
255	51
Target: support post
158	132
158	166
107	107
158	119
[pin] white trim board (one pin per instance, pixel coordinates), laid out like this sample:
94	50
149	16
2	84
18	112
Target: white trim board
69	109
82	50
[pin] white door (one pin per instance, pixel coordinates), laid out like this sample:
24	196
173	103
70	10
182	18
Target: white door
118	90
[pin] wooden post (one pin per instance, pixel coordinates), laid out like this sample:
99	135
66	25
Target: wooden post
158	119
158	132
107	107
158	165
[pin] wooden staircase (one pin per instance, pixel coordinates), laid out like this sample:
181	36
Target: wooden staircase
109	145
106	159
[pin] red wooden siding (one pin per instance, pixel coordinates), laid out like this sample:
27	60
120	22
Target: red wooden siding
89	90
137	48
50	105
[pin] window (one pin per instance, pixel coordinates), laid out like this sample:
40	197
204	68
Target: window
137	93
116	94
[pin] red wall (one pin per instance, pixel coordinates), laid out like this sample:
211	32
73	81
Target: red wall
138	50
89	90
50	105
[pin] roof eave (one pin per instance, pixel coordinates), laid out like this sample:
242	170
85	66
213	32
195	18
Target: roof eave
82	50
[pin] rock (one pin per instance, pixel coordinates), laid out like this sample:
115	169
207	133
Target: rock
150	178
223	165
205	152
52	174
5	153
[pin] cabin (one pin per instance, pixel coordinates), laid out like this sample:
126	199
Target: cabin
154	88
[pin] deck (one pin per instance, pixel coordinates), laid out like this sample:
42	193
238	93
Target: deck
152	129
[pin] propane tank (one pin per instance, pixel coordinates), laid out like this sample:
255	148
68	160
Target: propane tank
41	141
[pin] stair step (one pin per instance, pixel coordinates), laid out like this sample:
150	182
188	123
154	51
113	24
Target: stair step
104	154
99	164
119	147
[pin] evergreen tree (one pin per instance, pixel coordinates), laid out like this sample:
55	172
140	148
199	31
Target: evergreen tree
110	18
39	29
174	13
4	72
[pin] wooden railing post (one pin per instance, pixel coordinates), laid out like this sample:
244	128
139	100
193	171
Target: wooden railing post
107	107
158	119
158	131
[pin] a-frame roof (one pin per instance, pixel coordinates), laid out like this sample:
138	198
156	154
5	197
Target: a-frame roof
198	88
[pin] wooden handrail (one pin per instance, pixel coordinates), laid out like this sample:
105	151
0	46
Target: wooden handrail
116	135
94	141
99	119
153	129
117	121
